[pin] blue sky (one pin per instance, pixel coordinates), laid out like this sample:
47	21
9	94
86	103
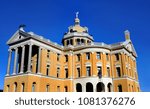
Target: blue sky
106	19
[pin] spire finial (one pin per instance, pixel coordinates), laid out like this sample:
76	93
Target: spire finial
77	14
77	21
127	35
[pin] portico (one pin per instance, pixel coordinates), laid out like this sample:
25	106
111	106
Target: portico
22	60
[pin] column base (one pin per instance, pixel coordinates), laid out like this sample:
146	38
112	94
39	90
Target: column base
14	74
38	72
28	72
7	75
20	72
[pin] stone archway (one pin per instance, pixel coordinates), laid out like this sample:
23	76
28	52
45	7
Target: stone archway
100	87
78	87
89	87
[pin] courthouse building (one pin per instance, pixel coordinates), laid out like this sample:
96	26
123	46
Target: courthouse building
36	64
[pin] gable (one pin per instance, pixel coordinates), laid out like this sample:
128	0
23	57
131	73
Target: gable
129	46
18	35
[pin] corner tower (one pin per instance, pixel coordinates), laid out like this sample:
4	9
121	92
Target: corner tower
77	34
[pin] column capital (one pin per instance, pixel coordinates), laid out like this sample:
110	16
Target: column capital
10	50
22	46
16	48
40	47
103	52
30	43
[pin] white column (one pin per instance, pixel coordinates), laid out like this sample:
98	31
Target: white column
94	88
106	89
22	59
83	87
9	62
15	61
29	58
39	60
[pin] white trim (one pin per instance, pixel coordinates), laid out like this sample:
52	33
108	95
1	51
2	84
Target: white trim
85	50
123	51
107	65
46	46
99	64
87	64
38	75
78	66
126	78
117	65
20	44
93	80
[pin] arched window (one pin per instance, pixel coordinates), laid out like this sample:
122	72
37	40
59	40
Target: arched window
58	88
71	41
22	87
119	88
100	87
68	42
89	87
15	87
78	42
33	86
82	41
47	88
78	87
109	86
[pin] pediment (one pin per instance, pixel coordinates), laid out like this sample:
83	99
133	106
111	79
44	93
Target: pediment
16	37
129	46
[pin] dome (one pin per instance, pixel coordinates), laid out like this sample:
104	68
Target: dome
77	35
77	30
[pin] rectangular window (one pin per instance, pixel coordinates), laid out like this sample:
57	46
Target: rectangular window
99	71
66	58
23	87
58	88
58	72
88	71
8	88
132	88
78	57
66	72
98	55
66	89
88	56
117	57
47	70
107	57
118	71
78	72
58	57
48	53
47	88
108	71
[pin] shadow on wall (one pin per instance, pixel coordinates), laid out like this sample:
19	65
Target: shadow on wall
1	90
